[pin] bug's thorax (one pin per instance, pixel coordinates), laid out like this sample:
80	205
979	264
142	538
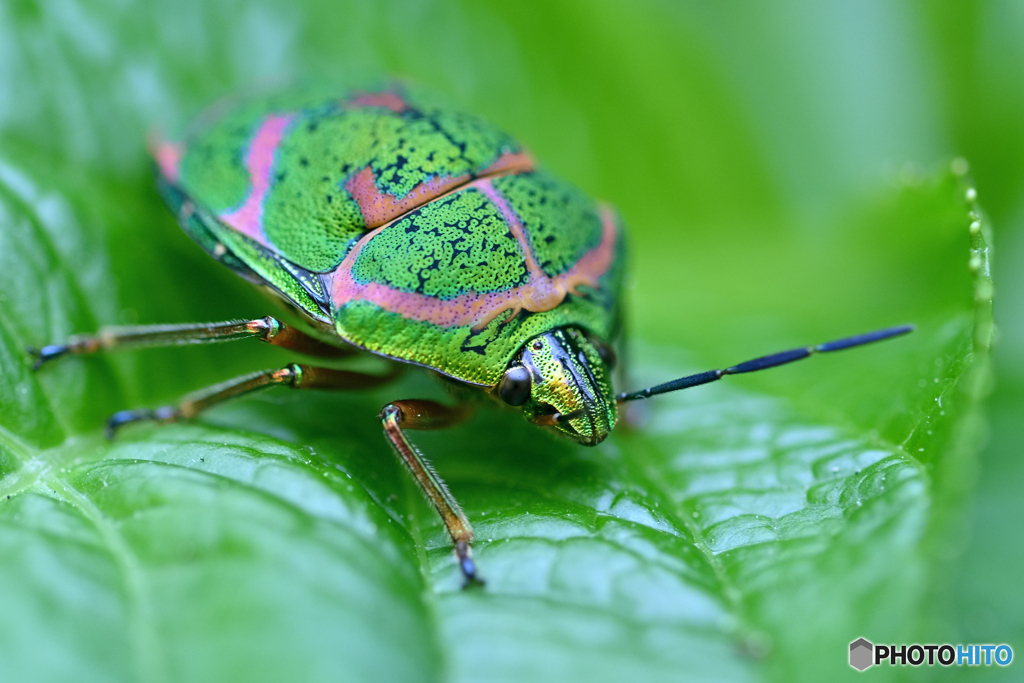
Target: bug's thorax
568	377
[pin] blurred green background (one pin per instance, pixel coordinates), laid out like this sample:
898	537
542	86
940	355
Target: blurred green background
783	171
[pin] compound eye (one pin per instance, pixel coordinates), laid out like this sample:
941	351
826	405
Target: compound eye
515	386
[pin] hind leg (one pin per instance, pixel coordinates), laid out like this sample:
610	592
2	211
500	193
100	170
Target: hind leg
268	329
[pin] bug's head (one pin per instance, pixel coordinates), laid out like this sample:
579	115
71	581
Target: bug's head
561	380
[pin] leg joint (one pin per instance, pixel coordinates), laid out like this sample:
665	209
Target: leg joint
290	375
265	328
390	413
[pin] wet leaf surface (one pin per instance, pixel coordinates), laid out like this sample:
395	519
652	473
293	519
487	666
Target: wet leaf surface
747	531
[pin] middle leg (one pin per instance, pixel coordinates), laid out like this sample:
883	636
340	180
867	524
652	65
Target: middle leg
292	375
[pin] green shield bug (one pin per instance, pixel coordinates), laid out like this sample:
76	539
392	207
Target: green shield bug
399	227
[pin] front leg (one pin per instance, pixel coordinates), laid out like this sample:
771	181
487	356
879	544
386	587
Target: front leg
417	414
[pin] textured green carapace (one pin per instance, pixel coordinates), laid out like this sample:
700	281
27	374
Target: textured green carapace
417	232
453	246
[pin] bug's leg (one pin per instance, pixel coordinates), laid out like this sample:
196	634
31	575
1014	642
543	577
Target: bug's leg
268	329
293	375
417	414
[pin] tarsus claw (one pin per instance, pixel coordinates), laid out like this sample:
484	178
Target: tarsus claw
123	417
467	565
46	353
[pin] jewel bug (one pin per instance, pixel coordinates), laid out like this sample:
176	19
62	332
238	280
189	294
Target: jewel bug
399	227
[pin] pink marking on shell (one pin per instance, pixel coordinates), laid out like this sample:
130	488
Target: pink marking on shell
379	208
168	159
388	100
509	163
248	218
541	293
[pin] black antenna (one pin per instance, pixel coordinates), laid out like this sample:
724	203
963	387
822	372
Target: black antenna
765	362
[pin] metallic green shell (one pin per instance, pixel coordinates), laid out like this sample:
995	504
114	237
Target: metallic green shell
421	234
305	172
461	283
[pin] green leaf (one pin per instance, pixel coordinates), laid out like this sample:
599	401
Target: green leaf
748	530
277	537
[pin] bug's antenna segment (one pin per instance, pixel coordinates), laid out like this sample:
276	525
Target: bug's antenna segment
765	362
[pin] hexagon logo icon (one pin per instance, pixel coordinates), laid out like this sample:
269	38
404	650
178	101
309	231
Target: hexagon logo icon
861	651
